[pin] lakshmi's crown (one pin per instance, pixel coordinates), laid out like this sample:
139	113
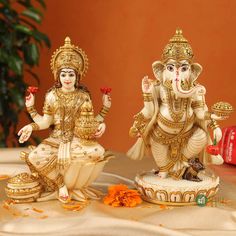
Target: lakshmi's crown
69	56
178	48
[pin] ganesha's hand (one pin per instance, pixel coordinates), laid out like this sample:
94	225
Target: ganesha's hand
217	134
29	100
215	117
147	85
106	100
25	133
101	129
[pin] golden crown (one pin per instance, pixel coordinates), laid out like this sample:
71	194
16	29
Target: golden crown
178	48
69	56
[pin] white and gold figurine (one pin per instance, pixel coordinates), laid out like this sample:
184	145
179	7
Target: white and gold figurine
64	164
173	125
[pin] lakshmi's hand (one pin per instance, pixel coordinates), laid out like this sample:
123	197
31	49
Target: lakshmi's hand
217	134
29	100
101	129
25	133
106	100
147	85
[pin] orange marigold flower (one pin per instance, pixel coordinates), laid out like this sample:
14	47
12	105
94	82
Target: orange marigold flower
120	195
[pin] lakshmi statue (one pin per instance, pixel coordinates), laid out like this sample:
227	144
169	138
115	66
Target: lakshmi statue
173	124
68	159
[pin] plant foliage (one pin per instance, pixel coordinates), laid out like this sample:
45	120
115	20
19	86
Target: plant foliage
20	41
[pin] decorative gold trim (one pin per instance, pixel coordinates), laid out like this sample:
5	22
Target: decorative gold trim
35	126
23	192
174	124
198	104
213	125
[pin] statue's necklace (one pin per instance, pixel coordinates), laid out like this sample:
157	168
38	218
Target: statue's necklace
176	107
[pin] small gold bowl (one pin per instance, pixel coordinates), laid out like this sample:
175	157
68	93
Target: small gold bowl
222	109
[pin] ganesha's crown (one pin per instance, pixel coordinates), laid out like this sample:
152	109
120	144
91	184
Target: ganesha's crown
69	56
178	48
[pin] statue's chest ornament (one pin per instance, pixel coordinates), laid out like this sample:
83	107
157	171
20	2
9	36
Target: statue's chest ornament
176	106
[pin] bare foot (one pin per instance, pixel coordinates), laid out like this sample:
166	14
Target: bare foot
63	194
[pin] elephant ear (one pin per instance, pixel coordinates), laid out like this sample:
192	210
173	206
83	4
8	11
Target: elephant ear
157	68
196	71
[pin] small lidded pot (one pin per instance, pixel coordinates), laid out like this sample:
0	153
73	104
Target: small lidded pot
86	125
23	188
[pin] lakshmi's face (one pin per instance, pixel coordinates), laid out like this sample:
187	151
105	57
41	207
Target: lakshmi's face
67	79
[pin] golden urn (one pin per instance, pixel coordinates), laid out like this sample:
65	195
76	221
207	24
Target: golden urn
86	125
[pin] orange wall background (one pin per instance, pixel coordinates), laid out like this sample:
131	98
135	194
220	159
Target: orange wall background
123	37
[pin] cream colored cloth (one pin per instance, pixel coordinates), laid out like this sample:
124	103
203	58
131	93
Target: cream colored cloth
99	219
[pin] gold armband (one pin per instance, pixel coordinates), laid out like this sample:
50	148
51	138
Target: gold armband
147	97
213	125
104	111
139	125
35	126
32	111
198	104
207	115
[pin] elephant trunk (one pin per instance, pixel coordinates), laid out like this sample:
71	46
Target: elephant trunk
179	92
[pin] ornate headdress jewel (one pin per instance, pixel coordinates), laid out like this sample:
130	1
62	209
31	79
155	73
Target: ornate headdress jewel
69	56
178	48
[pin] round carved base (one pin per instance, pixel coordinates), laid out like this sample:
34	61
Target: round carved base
175	192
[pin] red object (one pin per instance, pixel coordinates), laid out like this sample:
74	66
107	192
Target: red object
213	149
227	145
105	90
32	89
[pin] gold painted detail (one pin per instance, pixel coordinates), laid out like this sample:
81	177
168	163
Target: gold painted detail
213	124
176	107
222	109
47	109
69	56
178	48
34	126
22	192
139	125
147	97
22	178
163	137
104	111
198	104
173	124
86	125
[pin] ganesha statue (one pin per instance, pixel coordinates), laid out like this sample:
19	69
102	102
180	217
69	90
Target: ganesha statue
63	165
173	125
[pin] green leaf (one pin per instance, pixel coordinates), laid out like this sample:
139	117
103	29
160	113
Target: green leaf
5	2
32	15
23	29
16	64
3	56
17	97
39	36
31	54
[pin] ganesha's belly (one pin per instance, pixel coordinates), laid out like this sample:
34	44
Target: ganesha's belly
166	122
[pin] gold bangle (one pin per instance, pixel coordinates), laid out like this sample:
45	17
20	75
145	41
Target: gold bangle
213	125
35	126
104	111
147	97
198	104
